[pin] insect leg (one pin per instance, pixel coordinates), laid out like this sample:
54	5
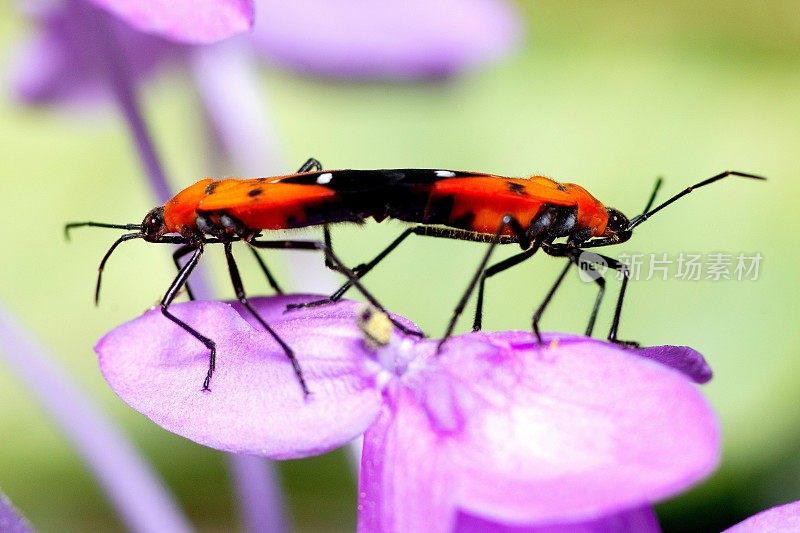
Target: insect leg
577	257
340	266
309	165
622	268
519	231
537	315
177	284
491	271
424	231
176	256
270	278
601	290
238	288
359	271
326	236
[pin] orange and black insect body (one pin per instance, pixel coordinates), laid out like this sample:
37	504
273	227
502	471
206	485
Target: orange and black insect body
225	211
533	212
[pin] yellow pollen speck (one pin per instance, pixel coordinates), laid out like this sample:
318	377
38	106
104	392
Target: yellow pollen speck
375	325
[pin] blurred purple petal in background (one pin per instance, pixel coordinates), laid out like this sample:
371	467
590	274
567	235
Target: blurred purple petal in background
188	21
340	38
58	63
390	39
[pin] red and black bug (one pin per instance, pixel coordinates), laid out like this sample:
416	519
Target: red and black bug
229	210
532	212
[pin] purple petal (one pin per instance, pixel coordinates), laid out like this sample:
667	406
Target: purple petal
570	432
641	520
188	21
404	481
684	359
273	309
386	39
10	520
681	358
774	520
256	404
59	63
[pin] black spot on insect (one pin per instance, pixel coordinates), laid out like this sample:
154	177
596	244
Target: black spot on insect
211	187
261	180
439	209
516	188
464	221
255	192
561	187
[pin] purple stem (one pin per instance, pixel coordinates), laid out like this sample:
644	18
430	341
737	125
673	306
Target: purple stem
225	76
10	520
103	47
260	499
137	494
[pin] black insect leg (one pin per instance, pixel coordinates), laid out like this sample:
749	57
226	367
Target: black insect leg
598	278
583	261
340	266
238	288
491	271
537	315
425	231
326	236
359	271
311	164
176	256
270	278
174	288
601	283
622	268
507	221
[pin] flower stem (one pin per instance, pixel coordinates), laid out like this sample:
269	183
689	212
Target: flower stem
110	56
10	519
261	502
129	482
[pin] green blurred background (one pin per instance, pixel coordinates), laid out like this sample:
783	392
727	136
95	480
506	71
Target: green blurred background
608	94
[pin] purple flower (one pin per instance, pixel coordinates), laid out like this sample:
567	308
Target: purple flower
188	21
59	64
390	39
777	519
495	428
342	38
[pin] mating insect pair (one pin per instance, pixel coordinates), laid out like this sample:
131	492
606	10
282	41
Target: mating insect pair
531	212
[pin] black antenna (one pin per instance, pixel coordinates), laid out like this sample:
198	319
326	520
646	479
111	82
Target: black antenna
126	237
648	213
652	199
71	225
